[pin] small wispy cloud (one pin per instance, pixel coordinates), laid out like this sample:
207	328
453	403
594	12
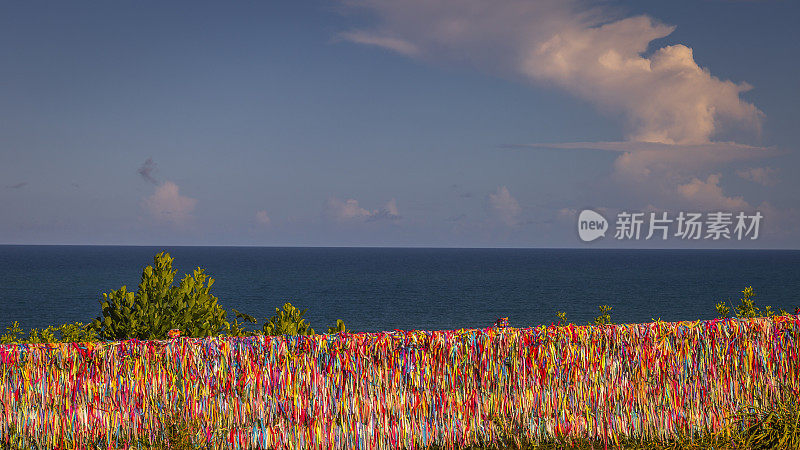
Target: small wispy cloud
388	212
765	176
17	185
147	171
350	211
398	45
505	206
262	218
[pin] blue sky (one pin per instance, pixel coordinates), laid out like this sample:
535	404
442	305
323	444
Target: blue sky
393	123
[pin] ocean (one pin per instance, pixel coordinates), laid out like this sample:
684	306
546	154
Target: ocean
374	289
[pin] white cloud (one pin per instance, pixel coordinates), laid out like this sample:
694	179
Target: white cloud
345	210
664	96
708	194
391	208
505	206
673	110
640	159
765	176
166	204
350	211
262	218
674	113
391	43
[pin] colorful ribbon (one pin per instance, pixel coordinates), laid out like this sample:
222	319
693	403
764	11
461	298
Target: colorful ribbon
400	389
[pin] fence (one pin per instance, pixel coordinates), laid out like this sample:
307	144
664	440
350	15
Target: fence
402	389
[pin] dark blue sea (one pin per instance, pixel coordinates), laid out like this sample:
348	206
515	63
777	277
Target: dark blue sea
374	289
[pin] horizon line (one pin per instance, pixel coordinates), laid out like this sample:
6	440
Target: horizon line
588	247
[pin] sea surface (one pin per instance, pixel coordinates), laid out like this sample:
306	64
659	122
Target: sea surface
375	289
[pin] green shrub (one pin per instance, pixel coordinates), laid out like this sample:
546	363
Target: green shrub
69	332
288	320
747	308
13	334
339	328
722	310
158	306
77	332
605	316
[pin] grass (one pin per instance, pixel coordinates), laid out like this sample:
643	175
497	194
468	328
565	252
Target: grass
774	428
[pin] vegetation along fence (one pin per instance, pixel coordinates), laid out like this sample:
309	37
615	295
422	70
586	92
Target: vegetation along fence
411	389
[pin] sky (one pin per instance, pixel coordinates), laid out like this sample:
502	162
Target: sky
423	123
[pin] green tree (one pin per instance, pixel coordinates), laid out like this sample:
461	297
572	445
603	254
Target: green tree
159	306
747	305
288	320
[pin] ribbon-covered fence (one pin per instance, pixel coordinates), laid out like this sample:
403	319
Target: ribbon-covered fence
400	389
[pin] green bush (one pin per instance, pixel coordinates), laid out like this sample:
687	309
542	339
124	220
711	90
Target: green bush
605	316
339	328
159	306
288	320
13	334
603	319
746	308
69	332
